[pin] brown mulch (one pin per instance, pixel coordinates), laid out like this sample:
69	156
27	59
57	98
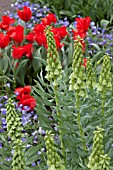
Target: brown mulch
4	6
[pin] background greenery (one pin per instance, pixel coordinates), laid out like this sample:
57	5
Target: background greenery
96	9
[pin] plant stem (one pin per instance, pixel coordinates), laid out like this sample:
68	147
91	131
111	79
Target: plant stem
59	123
81	131
103	104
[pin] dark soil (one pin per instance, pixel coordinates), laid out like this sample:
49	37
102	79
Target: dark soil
4	6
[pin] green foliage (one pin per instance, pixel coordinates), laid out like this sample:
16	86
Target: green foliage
97	10
91	117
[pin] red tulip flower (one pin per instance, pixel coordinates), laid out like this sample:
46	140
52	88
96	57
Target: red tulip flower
17	52
27	89
27	50
57	41
4	40
18	34
30	102
11	31
18	92
24	97
85	62
61	31
30	37
22	90
79	36
41	39
6	21
25	14
50	18
20	51
83	25
39	28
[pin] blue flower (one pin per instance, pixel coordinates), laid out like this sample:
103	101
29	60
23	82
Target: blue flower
3	111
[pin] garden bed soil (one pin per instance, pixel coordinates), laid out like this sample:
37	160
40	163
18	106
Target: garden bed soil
5	6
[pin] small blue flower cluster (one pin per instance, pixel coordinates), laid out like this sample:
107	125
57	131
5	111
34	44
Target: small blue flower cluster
27	115
27	118
102	38
38	13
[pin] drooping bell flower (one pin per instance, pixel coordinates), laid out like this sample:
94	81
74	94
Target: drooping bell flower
4	40
6	21
25	14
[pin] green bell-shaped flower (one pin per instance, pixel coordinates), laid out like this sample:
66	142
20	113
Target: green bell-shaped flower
53	159
78	76
13	121
90	74
105	77
97	159
18	157
53	68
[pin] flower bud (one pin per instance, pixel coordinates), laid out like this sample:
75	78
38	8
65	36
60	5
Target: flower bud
53	68
13	121
105	78
53	159
97	150
90	74
18	157
77	76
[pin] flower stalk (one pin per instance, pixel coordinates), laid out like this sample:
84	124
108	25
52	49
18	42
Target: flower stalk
105	82
14	131
54	73
77	84
98	160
